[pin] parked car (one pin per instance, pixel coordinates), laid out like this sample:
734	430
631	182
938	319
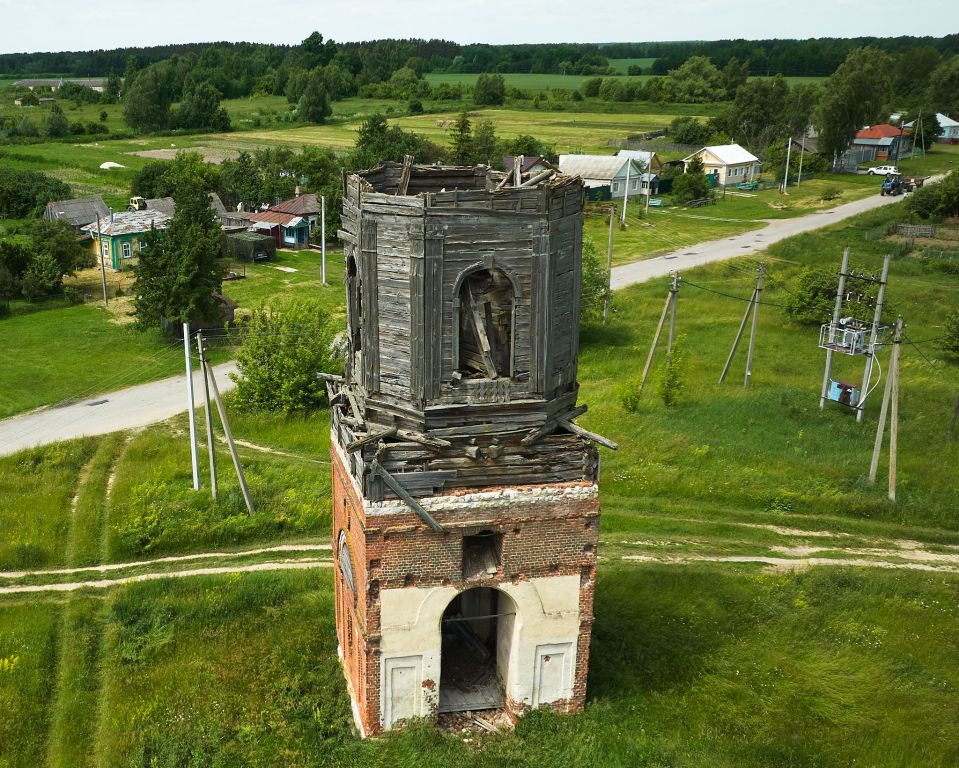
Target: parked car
882	170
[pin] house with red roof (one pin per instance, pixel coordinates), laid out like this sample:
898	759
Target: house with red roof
881	142
287	229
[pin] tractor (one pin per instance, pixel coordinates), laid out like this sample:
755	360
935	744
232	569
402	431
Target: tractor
892	185
137	204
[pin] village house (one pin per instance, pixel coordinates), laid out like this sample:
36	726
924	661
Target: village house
121	237
306	206
605	171
881	142
287	230
77	213
528	165
948	129
649	160
730	163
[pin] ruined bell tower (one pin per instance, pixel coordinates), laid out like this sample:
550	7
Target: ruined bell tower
465	504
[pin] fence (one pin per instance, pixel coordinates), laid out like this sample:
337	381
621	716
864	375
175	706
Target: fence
914	230
652	146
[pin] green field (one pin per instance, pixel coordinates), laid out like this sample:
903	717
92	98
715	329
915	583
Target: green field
623	65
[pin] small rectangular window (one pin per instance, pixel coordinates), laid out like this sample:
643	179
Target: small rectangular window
482	555
105	248
127	251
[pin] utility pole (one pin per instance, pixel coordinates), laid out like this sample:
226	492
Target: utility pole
757	296
323	239
190	406
789	149
652	349
629	166
870	353
674	300
609	265
208	415
884	408
229	441
103	267
802	151
835	321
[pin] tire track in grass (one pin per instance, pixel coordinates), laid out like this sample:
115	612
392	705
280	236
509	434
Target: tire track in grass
275	565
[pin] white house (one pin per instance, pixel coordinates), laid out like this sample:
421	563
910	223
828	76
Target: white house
731	162
606	171
649	160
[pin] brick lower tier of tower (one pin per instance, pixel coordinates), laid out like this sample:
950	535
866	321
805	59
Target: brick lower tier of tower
396	580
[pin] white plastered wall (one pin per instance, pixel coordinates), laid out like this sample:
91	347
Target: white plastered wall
546	626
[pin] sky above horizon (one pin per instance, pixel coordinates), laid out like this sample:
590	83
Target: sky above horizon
67	25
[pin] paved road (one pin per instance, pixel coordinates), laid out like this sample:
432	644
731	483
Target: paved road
124	409
746	244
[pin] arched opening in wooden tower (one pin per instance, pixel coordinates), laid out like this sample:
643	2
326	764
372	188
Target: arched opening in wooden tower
478	627
485	328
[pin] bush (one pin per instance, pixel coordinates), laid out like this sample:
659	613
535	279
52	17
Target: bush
595	283
489	90
284	349
830	193
950	341
672	384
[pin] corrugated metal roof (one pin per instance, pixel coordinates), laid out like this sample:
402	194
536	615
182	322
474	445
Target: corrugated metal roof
303	205
509	162
727	154
274	217
130	223
601	167
880	131
640	155
78	212
165	205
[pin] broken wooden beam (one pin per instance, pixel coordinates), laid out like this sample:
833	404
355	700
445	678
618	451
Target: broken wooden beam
405	175
551	424
419	437
370	438
578	430
393	484
333	377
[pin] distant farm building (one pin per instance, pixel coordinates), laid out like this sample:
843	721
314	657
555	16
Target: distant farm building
730	163
98	84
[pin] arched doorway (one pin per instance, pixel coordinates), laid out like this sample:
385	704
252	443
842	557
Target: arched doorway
477	639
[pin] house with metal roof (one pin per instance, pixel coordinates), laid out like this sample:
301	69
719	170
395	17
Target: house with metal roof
598	171
78	212
948	129
649	160
731	163
528	165
307	206
121	236
881	142
287	230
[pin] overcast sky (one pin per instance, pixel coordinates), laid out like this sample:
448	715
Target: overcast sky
56	25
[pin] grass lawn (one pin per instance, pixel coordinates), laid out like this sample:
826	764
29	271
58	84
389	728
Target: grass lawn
691	666
77	341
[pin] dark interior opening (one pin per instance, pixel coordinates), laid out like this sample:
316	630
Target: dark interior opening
476	629
354	304
486	325
481	555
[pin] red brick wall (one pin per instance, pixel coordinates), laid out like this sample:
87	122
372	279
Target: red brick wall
552	537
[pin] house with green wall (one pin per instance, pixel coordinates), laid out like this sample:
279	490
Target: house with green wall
119	240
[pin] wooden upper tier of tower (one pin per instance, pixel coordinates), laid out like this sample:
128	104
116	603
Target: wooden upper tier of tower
463	291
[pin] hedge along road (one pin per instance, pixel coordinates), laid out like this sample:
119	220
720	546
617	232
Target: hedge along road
148	403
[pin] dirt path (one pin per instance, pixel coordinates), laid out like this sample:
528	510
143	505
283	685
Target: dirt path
281	548
274	565
795	563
